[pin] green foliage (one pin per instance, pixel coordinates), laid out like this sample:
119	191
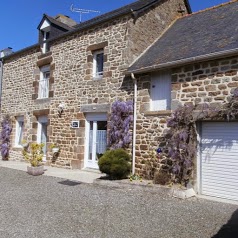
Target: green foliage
162	177
34	154
115	163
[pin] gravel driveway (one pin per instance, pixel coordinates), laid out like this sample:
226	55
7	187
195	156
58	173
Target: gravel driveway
52	207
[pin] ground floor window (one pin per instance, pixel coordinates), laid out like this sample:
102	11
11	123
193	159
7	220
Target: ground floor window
42	133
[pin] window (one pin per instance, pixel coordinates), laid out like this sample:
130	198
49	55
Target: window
44	82
19	131
160	92
46	35
42	133
98	64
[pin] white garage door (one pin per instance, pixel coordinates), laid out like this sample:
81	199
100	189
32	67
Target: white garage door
219	159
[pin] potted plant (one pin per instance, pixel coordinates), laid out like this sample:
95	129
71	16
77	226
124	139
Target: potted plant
24	143
34	155
55	148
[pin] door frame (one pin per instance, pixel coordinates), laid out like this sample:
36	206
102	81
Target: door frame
91	117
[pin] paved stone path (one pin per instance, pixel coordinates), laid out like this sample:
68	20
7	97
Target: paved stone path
48	207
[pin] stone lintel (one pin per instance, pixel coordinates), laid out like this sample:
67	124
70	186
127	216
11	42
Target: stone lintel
158	113
95	108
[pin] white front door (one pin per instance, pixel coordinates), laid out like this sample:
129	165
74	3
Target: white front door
42	133
96	139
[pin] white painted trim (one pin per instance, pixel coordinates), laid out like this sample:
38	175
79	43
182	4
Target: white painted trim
94	117
41	119
160	91
45	25
45	80
18	120
86	142
95	74
198	169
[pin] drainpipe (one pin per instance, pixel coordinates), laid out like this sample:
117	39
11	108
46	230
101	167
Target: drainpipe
1	75
134	124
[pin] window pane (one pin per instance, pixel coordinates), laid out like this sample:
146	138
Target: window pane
99	64
44	85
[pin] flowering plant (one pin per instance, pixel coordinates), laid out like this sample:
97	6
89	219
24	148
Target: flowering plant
120	122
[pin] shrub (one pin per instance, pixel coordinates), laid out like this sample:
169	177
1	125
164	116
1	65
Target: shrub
115	163
34	155
5	137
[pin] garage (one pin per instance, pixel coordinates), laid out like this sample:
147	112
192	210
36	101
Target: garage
219	160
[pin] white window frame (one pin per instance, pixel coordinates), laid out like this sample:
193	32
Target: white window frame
45	44
96	74
19	131
160	91
43	91
40	121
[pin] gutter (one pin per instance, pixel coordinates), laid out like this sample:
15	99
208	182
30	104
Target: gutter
181	62
134	125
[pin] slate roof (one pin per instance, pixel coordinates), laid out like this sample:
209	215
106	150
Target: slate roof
136	6
202	33
52	20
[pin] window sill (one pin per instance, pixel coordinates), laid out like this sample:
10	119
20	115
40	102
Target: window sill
42	100
158	113
46	54
98	78
17	148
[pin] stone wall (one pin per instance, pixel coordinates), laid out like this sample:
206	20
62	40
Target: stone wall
206	82
72	84
150	24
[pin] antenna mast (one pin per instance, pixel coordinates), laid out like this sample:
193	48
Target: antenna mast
82	11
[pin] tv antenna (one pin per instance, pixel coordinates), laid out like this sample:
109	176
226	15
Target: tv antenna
82	11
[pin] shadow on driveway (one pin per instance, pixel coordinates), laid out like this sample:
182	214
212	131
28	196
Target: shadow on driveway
69	183
230	229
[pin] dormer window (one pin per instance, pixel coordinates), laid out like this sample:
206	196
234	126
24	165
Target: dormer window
45	47
45	31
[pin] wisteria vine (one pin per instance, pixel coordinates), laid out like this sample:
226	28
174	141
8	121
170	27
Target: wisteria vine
5	137
120	123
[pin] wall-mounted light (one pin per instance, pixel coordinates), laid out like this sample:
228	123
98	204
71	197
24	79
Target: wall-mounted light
61	108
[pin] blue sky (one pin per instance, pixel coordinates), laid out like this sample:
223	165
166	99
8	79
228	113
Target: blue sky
20	18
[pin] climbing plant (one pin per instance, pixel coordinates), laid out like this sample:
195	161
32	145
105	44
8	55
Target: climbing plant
120	124
181	137
5	137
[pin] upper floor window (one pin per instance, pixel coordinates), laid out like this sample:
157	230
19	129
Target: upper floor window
46	35
160	92
19	131
98	59
44	82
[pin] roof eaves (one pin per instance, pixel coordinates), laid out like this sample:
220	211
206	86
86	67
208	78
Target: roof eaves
176	63
21	51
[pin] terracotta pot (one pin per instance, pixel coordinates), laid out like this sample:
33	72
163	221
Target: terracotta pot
55	150
38	170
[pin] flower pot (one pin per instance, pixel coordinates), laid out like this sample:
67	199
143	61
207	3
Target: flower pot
55	150
25	145
38	170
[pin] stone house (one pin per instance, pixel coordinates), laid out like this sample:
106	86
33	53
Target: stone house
194	61
60	90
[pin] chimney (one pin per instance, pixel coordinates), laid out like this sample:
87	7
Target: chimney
5	52
66	20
